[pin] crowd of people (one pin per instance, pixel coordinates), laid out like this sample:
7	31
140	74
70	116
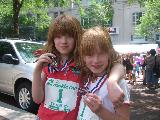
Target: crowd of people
147	65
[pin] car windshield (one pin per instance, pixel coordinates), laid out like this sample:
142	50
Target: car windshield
27	50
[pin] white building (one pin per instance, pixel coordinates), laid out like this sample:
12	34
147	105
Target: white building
125	18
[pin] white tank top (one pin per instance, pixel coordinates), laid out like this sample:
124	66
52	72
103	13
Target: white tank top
84	111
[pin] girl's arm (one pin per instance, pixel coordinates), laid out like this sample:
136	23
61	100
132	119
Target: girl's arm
114	90
39	77
37	85
123	112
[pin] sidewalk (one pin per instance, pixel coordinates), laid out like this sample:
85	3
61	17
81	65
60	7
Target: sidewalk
8	112
145	103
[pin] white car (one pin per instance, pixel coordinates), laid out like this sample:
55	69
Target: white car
16	70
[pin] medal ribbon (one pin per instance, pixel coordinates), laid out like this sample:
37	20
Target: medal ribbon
57	69
101	80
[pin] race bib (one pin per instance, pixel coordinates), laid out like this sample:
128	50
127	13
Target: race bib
85	113
60	95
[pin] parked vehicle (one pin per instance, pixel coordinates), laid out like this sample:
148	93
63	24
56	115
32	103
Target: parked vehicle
16	69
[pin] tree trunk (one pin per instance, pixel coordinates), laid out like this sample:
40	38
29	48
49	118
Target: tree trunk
16	9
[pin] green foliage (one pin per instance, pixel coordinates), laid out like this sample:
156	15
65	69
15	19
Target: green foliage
33	17
98	13
32	13
150	22
5	17
141	2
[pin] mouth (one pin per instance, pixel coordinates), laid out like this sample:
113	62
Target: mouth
96	66
64	46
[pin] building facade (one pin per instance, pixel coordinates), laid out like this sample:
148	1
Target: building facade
125	19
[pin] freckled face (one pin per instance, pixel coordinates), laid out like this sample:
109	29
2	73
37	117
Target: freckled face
97	62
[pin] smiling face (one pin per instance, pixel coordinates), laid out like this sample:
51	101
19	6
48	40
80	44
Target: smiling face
64	45
96	52
97	62
64	35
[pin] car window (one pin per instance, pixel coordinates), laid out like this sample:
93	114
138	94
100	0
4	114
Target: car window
6	48
26	50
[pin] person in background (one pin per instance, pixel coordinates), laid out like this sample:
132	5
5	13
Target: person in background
158	62
134	73
56	78
150	62
97	57
158	67
129	67
144	69
137	68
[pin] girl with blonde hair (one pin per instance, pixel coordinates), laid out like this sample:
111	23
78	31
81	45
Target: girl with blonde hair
97	57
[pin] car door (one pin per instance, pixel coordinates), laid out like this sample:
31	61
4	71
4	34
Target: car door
6	70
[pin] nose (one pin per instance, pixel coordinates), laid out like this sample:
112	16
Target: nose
64	39
95	58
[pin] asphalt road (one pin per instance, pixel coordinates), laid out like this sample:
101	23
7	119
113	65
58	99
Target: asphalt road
7	99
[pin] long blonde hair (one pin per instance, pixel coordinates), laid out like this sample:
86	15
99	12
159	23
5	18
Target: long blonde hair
96	36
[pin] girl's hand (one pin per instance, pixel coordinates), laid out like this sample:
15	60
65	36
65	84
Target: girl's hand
116	94
45	59
93	102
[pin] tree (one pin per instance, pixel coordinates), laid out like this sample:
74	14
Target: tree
150	21
33	14
141	2
14	10
31	10
98	13
17	5
5	16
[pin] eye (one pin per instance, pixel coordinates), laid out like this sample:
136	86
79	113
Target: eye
58	36
102	53
68	36
89	56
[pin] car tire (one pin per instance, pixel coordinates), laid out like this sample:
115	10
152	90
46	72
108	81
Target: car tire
23	97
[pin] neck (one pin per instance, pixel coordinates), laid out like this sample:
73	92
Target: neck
100	74
63	59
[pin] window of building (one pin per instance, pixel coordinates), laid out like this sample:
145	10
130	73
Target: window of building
157	37
88	22
136	18
85	22
61	12
55	14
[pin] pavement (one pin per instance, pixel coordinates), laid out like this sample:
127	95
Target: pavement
145	102
8	112
146	105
